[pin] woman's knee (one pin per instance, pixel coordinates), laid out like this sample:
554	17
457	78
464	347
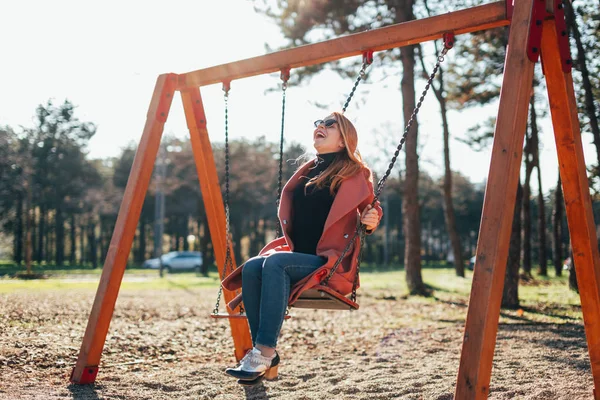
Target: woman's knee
252	269
277	261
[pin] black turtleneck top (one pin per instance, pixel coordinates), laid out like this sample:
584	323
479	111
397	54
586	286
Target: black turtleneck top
311	208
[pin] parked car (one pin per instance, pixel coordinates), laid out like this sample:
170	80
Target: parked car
177	261
471	265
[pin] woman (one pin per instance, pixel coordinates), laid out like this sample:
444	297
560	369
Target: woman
318	211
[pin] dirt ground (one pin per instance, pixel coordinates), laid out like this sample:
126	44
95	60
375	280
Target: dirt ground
163	345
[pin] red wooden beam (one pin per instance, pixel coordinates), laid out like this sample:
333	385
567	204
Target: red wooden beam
473	19
498	208
86	367
213	203
573	175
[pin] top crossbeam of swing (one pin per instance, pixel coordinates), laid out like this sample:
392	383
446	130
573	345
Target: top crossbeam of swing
472	19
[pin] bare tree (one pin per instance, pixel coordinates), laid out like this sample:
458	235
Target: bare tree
410	205
535	148
582	64
557	217
449	214
510	294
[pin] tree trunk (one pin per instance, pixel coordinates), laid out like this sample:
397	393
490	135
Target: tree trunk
401	237
428	241
510	294
535	151
255	241
412	226
236	239
543	251
572	273
186	232
557	218
18	238
91	229
105	232
590	108
386	225
48	241
101	235
60	236
83	255
526	210
449	214
73	253
140	255
29	223
41	233
204	246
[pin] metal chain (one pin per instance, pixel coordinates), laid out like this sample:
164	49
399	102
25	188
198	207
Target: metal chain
361	229
218	303
367	60
228	260
409	124
284	77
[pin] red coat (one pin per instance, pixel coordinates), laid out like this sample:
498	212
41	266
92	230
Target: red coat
354	194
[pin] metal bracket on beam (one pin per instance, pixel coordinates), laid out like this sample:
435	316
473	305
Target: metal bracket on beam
226	86
510	6
285	74
534	41
368	57
448	40
562	36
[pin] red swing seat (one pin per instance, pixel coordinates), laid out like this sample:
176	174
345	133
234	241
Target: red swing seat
324	298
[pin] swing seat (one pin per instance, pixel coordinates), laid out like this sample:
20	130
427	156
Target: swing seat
324	298
226	315
235	316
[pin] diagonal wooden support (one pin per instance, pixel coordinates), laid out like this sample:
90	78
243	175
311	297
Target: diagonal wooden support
578	204
498	208
213	202
120	245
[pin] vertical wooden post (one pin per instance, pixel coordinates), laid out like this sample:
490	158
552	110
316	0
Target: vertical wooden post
578	204
213	202
498	208
86	367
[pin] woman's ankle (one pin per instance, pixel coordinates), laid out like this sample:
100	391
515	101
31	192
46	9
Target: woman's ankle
266	351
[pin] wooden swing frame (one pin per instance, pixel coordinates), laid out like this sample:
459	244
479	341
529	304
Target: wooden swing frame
538	21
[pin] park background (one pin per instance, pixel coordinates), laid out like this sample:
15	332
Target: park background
99	66
75	91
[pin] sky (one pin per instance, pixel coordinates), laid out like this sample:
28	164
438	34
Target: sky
105	57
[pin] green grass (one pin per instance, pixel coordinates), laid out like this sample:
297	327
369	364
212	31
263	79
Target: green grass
179	281
547	297
9	269
544	299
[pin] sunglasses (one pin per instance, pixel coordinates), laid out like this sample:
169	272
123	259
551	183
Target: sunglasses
326	123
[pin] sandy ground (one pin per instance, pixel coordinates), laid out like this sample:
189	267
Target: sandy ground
164	346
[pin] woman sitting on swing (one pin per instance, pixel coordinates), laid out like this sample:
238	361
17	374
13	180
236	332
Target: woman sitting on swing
318	211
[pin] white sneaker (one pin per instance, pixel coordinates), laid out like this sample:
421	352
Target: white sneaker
254	365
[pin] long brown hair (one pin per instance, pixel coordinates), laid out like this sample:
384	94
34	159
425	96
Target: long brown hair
346	164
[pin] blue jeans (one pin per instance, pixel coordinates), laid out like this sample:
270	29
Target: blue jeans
266	283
